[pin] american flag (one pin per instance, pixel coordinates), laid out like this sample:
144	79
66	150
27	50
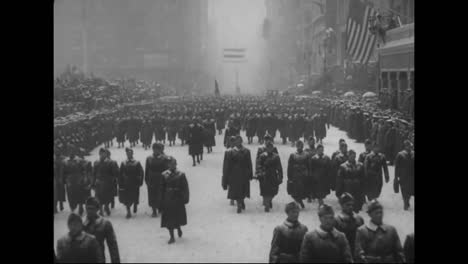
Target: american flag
360	41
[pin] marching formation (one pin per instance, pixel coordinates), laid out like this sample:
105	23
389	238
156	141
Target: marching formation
355	178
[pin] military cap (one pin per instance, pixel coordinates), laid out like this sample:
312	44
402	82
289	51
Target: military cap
373	205
325	209
101	150
128	150
92	201
346	197
291	206
158	145
73	217
267	137
368	142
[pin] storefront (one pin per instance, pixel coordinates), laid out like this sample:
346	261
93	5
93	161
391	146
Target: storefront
396	67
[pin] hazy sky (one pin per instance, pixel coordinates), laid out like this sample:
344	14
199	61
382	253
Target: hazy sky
238	25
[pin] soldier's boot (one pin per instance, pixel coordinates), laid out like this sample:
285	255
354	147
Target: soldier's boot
271	205
198	159
239	209
201	156
232	202
61	206
154	214
243	205
267	208
179	231
135	206
193	158
81	210
129	215
113	203
107	209
406	205
172	239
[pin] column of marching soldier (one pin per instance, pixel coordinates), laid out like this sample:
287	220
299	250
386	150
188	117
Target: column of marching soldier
310	173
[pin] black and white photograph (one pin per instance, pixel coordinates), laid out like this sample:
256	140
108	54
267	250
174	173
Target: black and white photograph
233	131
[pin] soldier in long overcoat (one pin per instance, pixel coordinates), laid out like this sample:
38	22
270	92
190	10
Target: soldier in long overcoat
269	173
325	244
351	179
298	171
309	127
155	165
322	173
210	133
390	150
130	181
195	141
237	173
75	177
59	182
230	131
339	157
288	237
121	130
251	127
146	134
377	242
174	197
171	130
347	221
220	120
105	174
404	173
261	127
321	125
374	163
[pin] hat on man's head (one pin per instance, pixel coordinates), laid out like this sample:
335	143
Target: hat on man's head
325	209
373	205
92	201
73	217
346	197
158	145
128	150
267	137
291	206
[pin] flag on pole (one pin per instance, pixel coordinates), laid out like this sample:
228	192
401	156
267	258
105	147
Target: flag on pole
360	41
234	54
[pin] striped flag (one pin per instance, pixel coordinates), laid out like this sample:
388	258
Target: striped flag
234	54
360	41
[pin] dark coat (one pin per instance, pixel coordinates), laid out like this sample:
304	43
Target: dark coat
390	139
309	128
319	247
175	195
209	134
121	130
130	180
105	174
377	245
251	126
231	131
351	179
146	133
237	173
321	171
298	171
133	130
195	140
286	242
283	127
75	177
59	180
102	229
154	168
373	165
320	125
82	249
269	173
338	158
362	156
349	225
261	127
404	172
409	248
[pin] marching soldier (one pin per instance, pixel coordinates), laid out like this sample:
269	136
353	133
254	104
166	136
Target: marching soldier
377	242
156	164
251	127
363	155
283	127
175	195
321	171
404	173
146	134
261	128
325	244
374	163
310	183
115	168
269	173
121	130
130	180
171	130
298	170
348	222
237	173
350	179
220	120
321	125
102	229
210	132
230	131
339	158
75	177
195	141
104	175
390	139
288	237
59	182
309	127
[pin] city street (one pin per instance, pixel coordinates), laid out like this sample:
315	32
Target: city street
215	232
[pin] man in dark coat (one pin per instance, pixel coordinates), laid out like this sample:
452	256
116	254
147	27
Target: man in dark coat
195	142
230	131
237	173
75	177
78	246
363	155
59	182
251	127
269	173
404	173
325	244
310	183
374	163
104	175
377	242
146	134
220	120
155	165
115	169
321	125
283	127
348	222
351	179
298	171
174	197
102	229
409	248
321	171
288	237
130	180
339	158
209	134
390	139
309	127
121	130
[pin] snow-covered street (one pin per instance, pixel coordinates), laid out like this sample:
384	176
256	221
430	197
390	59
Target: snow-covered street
215	232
